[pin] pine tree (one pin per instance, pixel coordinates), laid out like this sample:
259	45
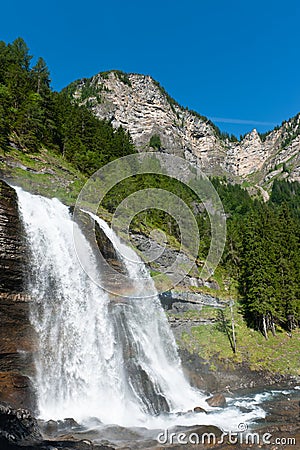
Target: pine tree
40	76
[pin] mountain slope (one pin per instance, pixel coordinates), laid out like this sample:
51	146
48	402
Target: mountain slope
140	105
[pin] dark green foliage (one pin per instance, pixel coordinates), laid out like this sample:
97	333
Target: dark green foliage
263	136
270	267
155	142
88	90
235	199
229	137
262	253
86	141
291	130
5	101
40	77
152	218
286	192
39	117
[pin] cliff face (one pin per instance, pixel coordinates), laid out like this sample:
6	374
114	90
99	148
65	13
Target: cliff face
16	334
142	107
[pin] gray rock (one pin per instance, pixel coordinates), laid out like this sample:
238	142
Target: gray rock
144	109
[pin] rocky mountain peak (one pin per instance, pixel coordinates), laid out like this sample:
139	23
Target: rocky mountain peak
140	105
252	136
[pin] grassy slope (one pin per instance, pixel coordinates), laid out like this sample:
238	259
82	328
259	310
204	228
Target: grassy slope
47	174
280	354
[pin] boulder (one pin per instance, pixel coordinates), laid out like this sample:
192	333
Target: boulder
198	409
19	430
18	427
217	400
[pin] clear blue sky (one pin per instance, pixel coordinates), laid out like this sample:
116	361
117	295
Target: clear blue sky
231	60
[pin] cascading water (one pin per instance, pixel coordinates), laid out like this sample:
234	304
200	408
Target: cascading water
98	357
153	367
114	361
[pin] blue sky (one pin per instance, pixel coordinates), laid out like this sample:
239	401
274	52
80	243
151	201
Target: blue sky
234	61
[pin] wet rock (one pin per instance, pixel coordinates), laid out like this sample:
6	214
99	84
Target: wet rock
69	423
189	437
198	409
214	375
16	389
16	334
97	237
175	301
217	400
19	430
50	428
12	247
18	426
211	284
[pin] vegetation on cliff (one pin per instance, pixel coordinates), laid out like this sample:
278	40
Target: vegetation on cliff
33	116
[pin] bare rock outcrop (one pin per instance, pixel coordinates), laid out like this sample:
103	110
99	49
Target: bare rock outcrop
16	334
140	105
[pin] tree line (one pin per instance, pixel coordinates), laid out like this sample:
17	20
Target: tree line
33	115
262	253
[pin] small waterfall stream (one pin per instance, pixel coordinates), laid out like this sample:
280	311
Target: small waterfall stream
98	357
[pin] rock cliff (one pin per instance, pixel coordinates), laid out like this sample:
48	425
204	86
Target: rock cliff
16	334
140	105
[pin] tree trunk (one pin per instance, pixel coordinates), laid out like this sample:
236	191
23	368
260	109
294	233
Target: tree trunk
233	329
265	333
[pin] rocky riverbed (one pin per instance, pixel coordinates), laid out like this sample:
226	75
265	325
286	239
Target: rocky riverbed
279	430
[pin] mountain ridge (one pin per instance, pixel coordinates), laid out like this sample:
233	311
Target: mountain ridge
143	107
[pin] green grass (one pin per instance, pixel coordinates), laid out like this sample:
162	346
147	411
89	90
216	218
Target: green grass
246	184
49	174
227	287
280	354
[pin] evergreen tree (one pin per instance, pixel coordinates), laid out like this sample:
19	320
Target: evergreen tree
40	76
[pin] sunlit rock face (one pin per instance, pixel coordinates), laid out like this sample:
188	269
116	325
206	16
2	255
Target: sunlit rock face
141	106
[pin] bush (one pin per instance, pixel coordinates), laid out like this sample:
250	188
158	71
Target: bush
155	142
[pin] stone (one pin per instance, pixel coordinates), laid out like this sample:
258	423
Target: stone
50	427
217	400
198	409
17	338
16	389
19	429
18	426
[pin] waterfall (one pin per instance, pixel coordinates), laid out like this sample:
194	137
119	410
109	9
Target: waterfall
99	355
96	357
153	368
